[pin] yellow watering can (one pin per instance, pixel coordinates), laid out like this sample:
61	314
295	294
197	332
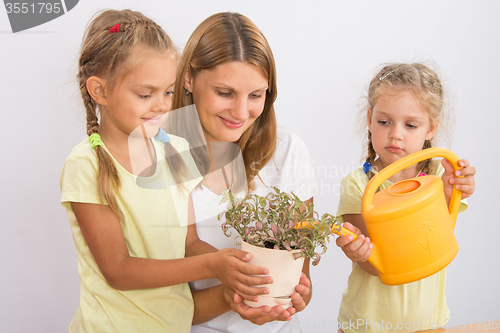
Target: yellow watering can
409	222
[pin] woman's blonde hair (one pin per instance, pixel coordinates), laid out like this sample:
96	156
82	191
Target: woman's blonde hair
423	82
107	55
222	38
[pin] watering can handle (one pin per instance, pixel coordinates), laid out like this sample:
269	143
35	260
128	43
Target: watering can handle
405	162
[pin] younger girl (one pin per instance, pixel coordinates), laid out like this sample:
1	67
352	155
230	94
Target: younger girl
130	231
405	104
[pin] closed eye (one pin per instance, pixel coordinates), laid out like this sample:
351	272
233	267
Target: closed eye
411	126
222	93
144	96
383	122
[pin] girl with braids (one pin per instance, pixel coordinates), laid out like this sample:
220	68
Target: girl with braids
130	224
227	75
405	105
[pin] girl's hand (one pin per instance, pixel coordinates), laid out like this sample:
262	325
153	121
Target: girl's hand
466	184
358	250
231	269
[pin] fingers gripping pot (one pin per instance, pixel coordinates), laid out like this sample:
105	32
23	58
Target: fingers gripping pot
409	223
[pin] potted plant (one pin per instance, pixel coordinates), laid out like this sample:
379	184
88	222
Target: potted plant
270	227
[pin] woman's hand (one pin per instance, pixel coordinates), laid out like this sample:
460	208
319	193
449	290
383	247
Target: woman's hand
231	268
259	315
263	314
302	289
463	179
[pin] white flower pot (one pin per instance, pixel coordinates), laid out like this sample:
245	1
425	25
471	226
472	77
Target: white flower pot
283	268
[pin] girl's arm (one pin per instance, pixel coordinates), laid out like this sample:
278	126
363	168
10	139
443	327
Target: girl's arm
360	249
209	303
104	236
463	179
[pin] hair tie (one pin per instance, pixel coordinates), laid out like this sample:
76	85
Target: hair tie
95	140
422	174
115	28
162	136
367	167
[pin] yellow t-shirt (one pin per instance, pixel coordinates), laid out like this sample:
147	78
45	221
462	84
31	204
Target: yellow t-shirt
367	304
154	226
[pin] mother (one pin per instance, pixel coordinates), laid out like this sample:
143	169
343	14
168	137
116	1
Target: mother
227	71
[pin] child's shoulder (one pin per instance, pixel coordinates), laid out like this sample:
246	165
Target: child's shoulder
358	176
81	160
354	183
82	150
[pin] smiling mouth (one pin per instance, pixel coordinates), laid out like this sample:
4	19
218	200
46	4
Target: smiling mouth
155	120
231	124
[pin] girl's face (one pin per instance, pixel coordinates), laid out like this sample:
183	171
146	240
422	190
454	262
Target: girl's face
228	98
399	126
142	96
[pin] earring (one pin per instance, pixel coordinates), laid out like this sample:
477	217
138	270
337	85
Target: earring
188	92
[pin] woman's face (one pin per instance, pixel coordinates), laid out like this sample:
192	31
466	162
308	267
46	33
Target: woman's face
228	98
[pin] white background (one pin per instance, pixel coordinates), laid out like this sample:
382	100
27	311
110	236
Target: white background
326	53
